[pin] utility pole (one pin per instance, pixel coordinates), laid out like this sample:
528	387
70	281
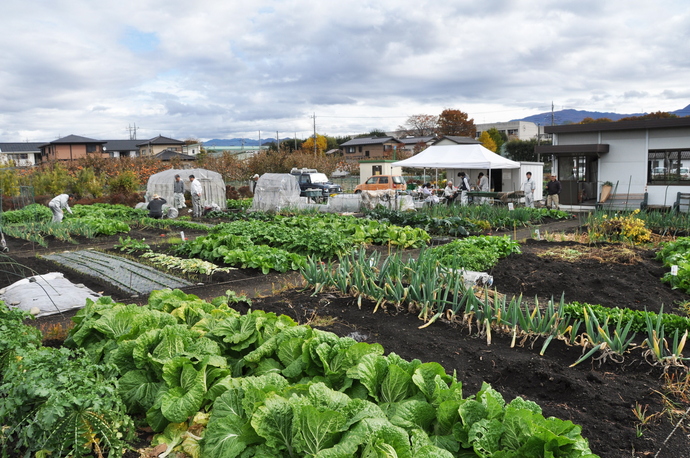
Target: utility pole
132	131
552	115
259	141
277	142
314	133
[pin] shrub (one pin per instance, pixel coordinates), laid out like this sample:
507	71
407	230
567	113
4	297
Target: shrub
125	183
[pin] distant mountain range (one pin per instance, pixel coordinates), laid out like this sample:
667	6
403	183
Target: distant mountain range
543	119
575	116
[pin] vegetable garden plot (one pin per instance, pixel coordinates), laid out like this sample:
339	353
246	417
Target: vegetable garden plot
129	276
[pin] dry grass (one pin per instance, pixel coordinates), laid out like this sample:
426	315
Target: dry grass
323	321
56	331
616	254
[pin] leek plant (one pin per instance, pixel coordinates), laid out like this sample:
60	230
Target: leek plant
599	338
658	347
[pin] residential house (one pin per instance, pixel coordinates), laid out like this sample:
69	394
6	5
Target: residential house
157	144
71	148
192	149
414	145
371	148
122	148
455	140
24	154
640	156
169	154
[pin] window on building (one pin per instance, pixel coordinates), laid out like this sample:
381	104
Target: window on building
387	147
360	149
366	154
376	170
668	166
24	156
90	148
350	149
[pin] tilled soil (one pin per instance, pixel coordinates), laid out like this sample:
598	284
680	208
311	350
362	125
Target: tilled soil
598	395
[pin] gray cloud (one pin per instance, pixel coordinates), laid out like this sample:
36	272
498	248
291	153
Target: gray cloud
207	69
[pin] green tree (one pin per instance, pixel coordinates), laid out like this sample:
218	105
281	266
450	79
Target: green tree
9	181
455	122
522	150
374	133
499	138
487	142
53	179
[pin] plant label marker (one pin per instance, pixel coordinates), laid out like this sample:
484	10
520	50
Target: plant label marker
537	235
182	235
674	270
511	207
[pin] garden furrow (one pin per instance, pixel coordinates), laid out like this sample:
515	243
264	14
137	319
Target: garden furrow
127	275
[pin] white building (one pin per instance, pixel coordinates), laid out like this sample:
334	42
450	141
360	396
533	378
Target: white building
651	155
514	130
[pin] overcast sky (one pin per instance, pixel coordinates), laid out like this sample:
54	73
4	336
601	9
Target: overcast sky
229	68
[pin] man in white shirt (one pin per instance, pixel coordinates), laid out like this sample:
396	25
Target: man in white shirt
57	204
528	187
196	191
483	187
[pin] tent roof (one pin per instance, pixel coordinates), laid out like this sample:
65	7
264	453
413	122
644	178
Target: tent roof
458	157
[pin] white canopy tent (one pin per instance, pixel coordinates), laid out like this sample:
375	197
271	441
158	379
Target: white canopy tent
472	156
459	157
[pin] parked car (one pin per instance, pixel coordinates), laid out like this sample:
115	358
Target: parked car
314	184
685	173
658	171
381	182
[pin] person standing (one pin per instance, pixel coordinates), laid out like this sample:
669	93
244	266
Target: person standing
196	191
155	206
528	187
464	188
57	204
255	179
178	193
483	186
553	189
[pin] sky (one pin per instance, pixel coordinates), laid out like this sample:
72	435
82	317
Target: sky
209	69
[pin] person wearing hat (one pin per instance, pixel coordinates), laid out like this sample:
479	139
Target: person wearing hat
155	206
178	193
255	178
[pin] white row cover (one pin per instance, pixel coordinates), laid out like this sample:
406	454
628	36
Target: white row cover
46	294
